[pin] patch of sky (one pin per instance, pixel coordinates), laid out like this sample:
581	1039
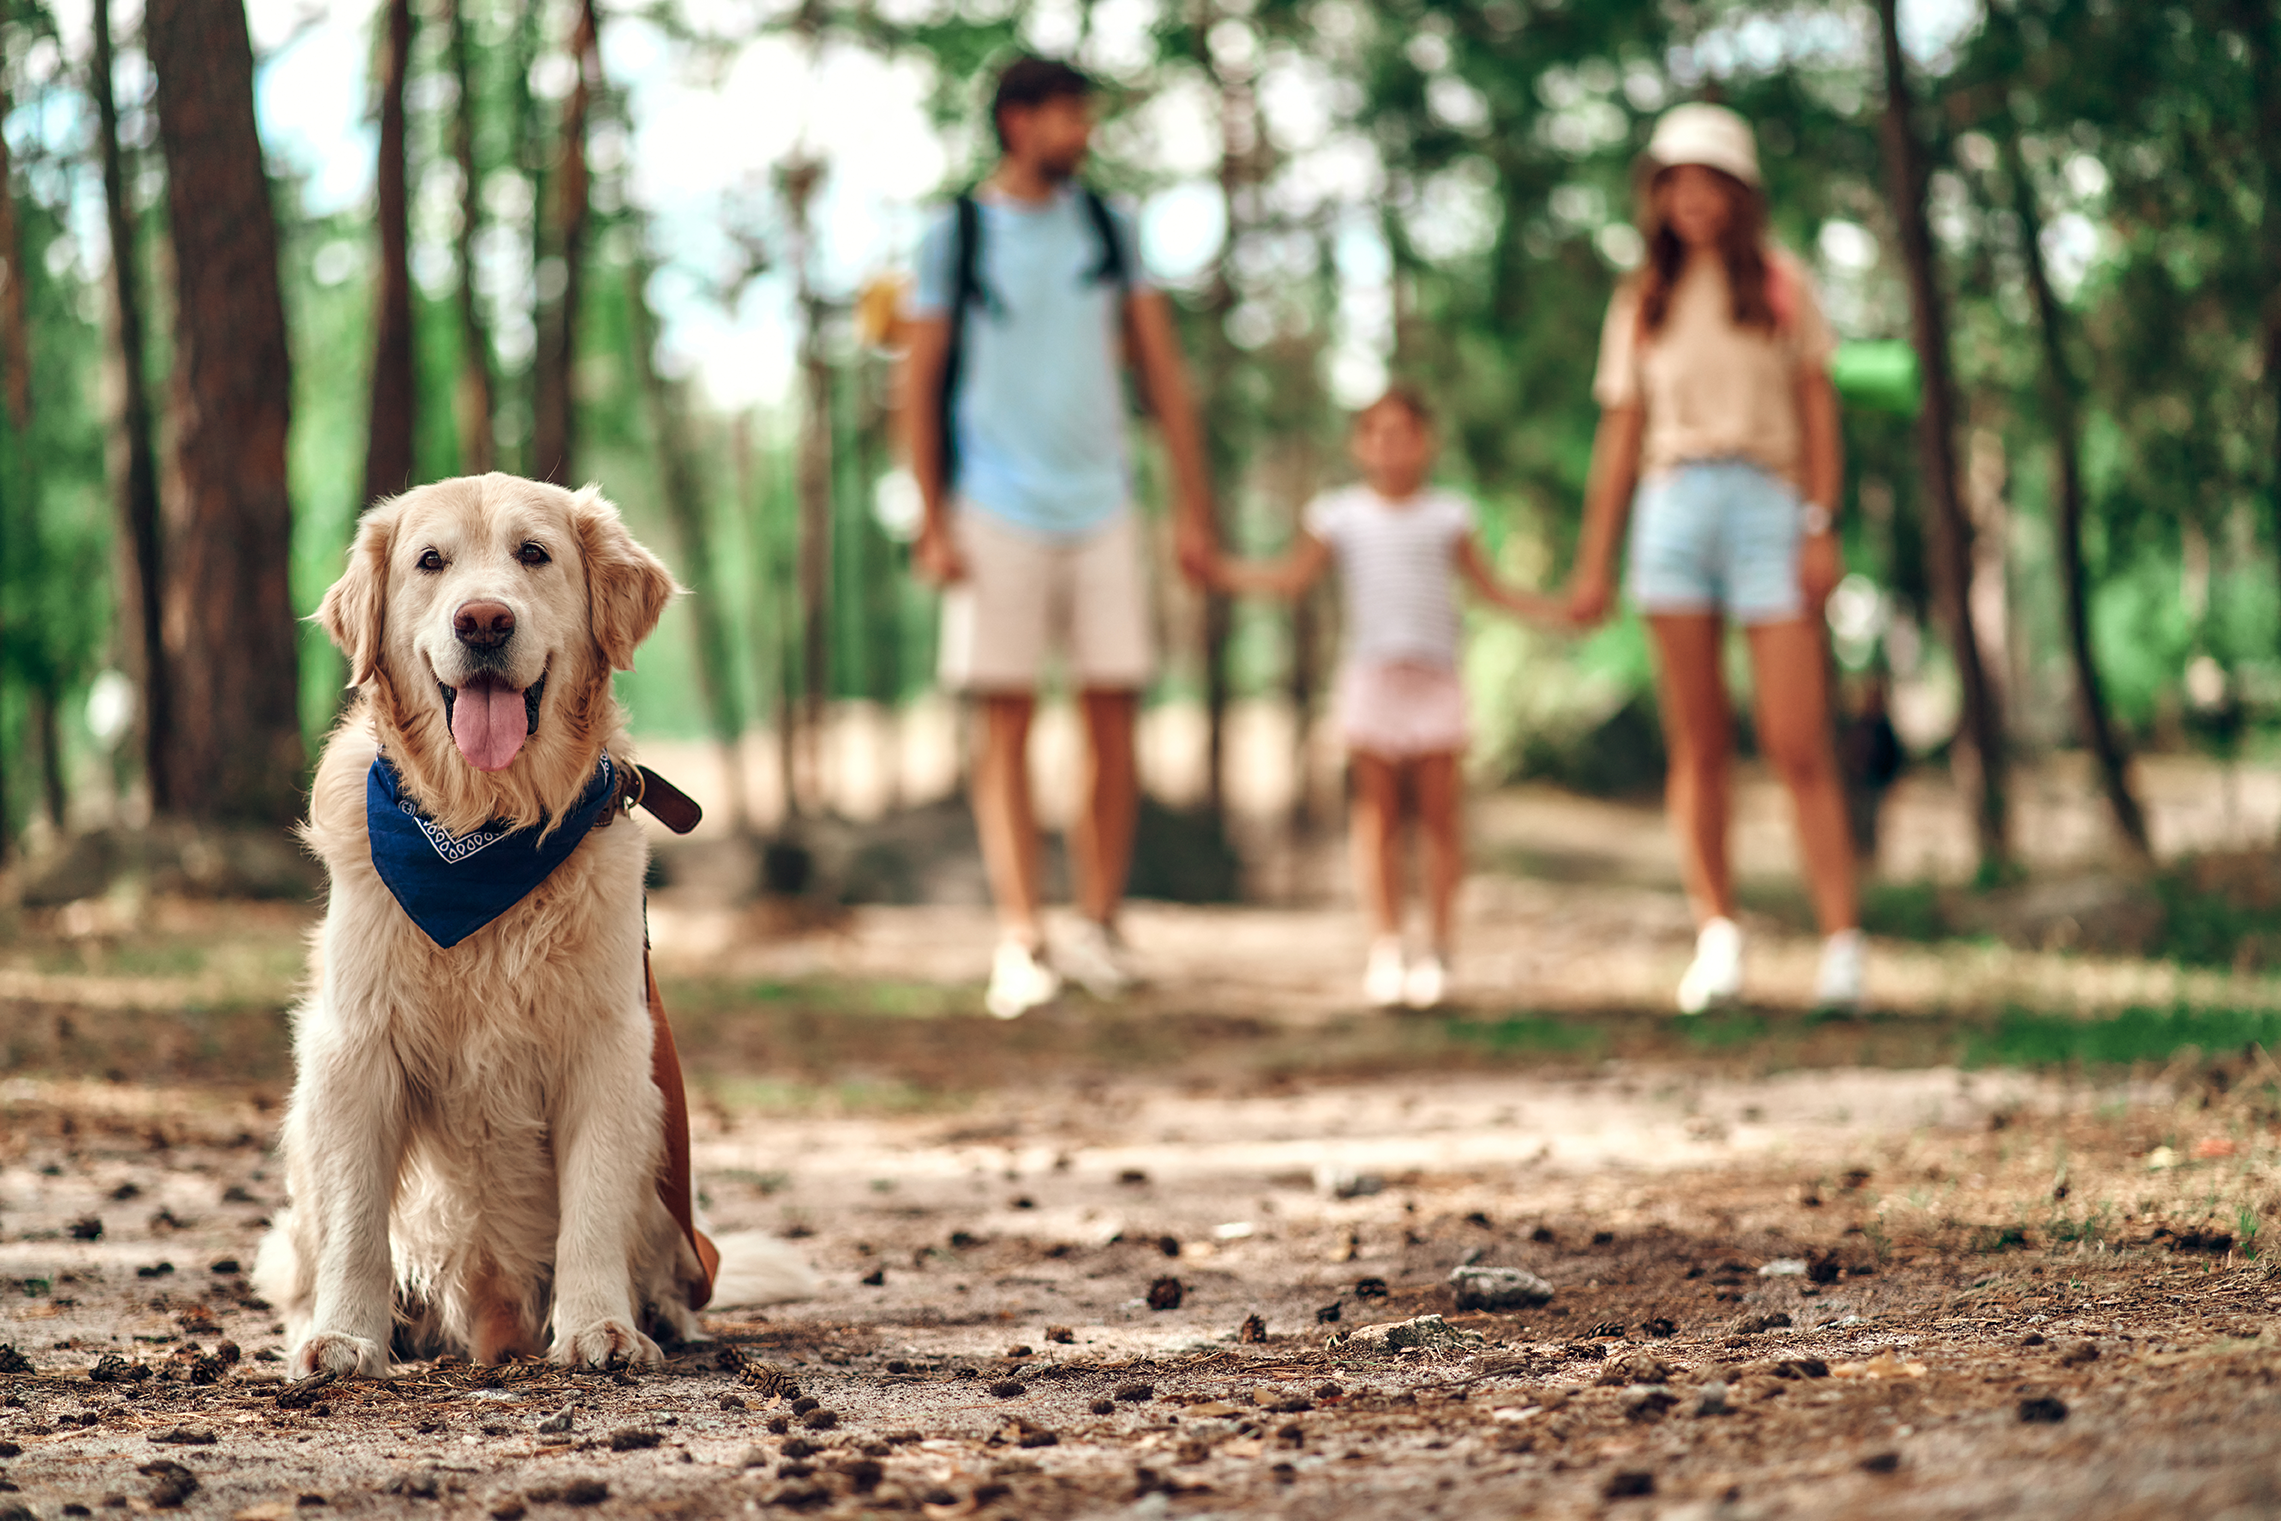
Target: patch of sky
1181	230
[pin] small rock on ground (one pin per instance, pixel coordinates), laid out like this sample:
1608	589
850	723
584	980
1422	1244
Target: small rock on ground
1424	1332
1499	1288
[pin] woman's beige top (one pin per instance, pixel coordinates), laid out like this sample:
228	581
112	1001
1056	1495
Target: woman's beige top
1713	390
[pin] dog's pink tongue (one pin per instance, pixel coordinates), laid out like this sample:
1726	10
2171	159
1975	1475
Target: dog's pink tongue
488	723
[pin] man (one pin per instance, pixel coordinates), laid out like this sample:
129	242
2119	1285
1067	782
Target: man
1030	301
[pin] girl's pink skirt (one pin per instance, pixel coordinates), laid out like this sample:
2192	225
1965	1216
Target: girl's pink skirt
1400	710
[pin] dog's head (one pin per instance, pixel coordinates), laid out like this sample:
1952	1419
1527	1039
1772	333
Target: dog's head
483	616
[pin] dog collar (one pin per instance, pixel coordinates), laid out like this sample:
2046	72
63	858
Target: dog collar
453	885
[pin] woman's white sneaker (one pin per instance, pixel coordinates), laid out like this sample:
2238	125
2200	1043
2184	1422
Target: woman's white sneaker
1090	956
1840	982
1019	982
1383	978
1715	976
1426	984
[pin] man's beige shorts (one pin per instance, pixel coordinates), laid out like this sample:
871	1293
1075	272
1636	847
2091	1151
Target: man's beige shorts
1027	596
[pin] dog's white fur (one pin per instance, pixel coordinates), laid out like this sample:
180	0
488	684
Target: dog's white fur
474	1135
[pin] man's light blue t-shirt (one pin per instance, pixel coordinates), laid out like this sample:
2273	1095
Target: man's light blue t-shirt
1040	410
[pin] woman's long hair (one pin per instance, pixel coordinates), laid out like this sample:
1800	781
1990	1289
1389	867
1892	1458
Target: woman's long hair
1742	248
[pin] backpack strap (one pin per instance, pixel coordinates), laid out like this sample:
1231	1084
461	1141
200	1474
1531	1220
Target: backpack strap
1115	267
965	290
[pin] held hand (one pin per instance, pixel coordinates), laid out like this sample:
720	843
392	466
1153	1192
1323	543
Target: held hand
935	557
1590	594
1821	565
1545	610
1197	549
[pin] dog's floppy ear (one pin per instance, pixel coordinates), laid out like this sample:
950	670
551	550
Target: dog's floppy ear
627	587
354	611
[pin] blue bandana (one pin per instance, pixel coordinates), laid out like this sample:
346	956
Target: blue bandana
453	885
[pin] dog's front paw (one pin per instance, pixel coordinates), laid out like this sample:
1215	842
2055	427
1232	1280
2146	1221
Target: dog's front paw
339	1355
606	1344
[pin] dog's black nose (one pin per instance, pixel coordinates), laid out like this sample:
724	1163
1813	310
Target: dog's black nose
483	625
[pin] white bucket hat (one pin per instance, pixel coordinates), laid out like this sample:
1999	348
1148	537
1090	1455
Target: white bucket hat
1699	133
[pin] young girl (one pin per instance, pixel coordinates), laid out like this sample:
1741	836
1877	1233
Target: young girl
1401	705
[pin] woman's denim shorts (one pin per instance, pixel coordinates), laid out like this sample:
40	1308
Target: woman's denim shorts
1717	536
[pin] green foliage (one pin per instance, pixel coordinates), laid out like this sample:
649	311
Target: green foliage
1523	1034
1904	911
1989	1239
2214	924
55	515
1499	141
2025	1038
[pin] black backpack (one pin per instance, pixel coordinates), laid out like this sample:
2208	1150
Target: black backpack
966	290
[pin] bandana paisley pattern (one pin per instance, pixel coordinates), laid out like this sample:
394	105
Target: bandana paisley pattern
453	885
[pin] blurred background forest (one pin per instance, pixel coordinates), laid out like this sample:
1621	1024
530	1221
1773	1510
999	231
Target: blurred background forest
630	244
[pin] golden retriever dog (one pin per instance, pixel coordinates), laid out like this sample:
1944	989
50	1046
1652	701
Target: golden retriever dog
475	1140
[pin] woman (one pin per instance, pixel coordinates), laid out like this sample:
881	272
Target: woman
1716	403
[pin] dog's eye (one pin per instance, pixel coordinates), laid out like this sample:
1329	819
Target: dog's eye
533	553
430	560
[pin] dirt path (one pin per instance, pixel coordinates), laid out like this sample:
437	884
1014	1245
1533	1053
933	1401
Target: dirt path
1523	943
1836	1293
1798	1266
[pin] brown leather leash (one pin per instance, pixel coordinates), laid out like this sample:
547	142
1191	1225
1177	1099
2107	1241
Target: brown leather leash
640	787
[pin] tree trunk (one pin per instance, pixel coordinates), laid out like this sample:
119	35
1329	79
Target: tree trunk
47	738
1304	682
756	500
474	405
15	358
1951	531
15	296
801	177
685	505
234	747
2256	21
554	404
1238	133
2059	394
43	698
531	148
388	440
134	465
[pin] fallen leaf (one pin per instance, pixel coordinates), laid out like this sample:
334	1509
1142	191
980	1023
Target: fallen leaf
2213	1146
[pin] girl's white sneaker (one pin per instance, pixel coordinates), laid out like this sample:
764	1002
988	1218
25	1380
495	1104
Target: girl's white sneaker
1019	982
1383	978
1426	984
1715	976
1840	982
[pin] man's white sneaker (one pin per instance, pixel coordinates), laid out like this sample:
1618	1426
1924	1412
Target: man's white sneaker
1019	982
1090	956
1382	978
1426	984
1839	983
1715	976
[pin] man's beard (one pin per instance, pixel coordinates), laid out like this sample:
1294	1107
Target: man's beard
1061	171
